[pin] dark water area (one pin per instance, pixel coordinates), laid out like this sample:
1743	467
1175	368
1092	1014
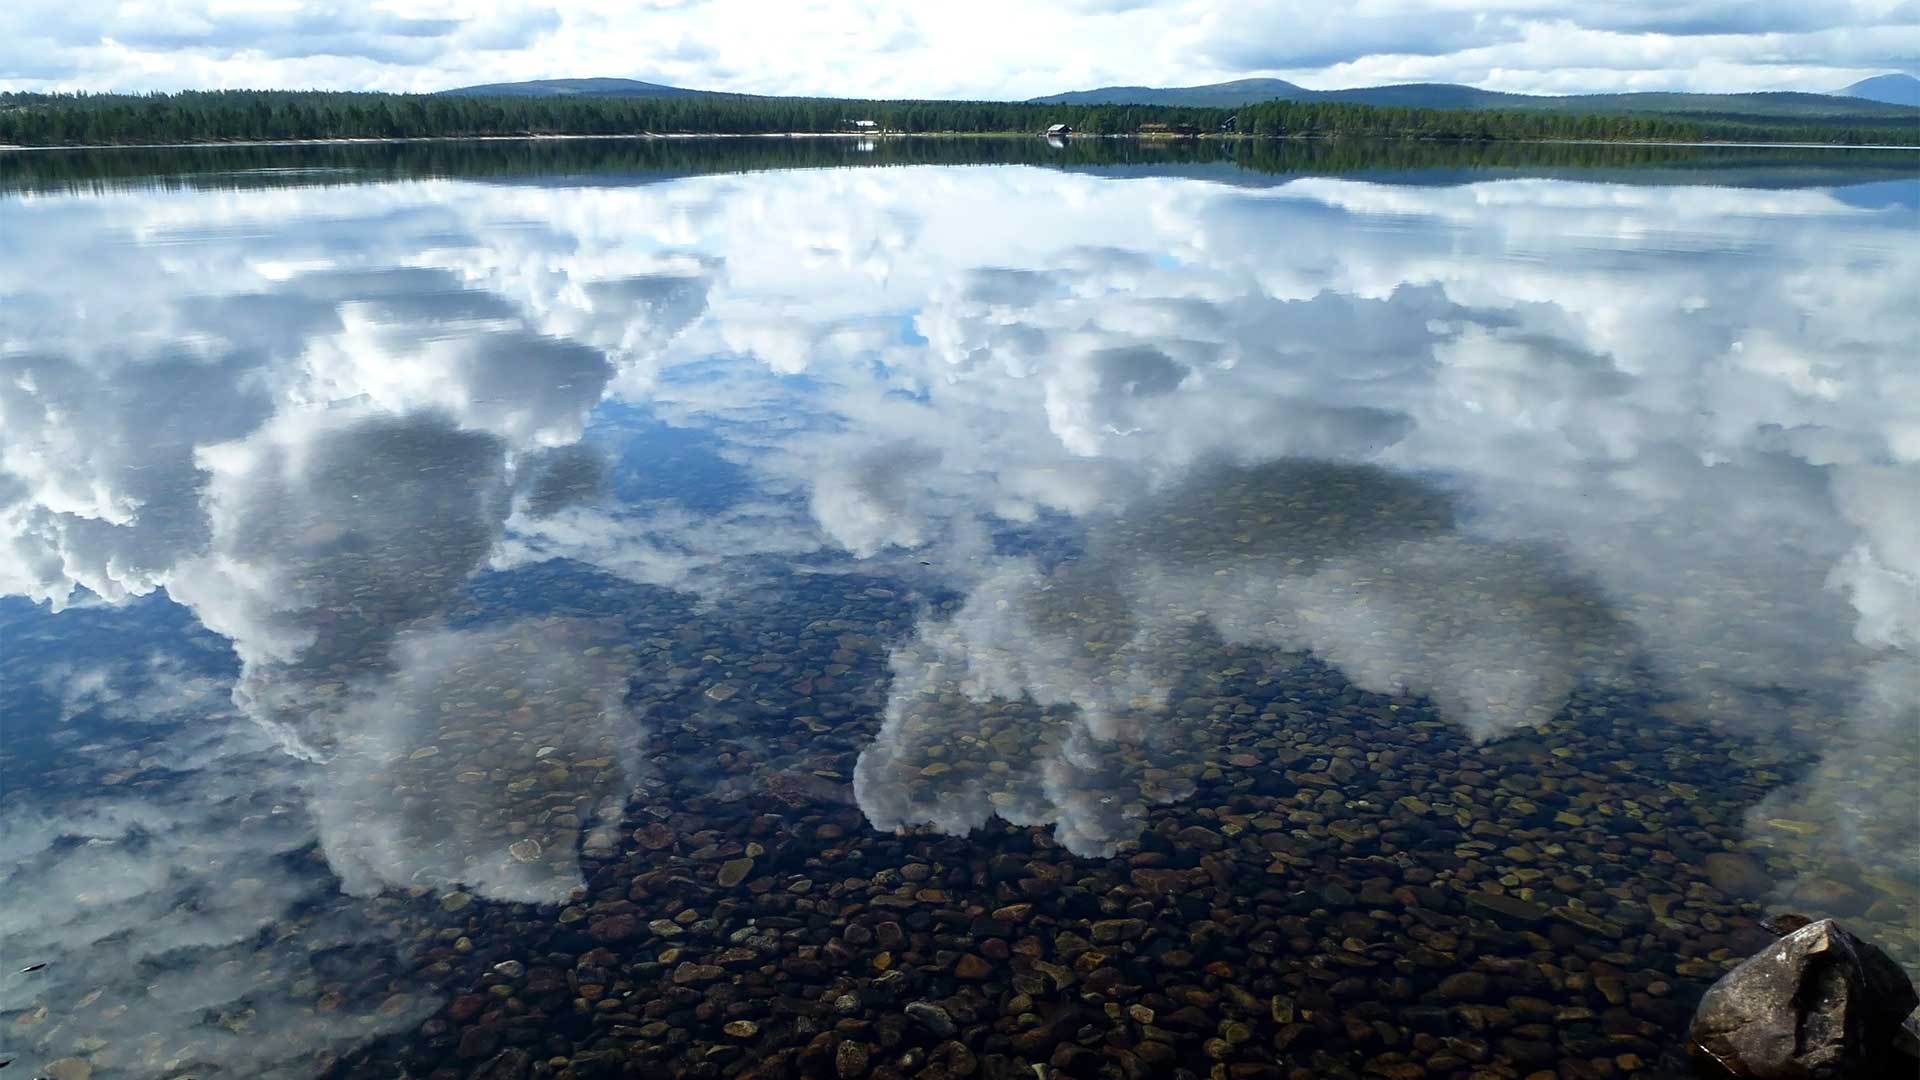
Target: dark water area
933	609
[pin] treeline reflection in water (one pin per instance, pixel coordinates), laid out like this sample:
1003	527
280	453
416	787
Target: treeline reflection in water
615	160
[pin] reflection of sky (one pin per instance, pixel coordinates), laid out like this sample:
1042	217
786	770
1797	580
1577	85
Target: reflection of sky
1684	418
156	857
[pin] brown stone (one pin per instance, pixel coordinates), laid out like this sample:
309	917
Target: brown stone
611	928
850	1059
1112	931
692	974
1158	882
1508	909
1464	986
478	1042
972	967
1736	875
1198	838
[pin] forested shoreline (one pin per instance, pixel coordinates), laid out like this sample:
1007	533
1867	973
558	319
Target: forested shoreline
272	115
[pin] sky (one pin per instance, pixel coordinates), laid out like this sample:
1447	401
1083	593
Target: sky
991	49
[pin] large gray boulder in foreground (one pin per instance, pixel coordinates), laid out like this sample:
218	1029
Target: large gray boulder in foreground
1819	1004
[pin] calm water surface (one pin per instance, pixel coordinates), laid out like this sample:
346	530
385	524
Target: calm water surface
623	610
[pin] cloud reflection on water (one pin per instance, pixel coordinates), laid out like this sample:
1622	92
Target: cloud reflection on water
1365	570
481	761
314	465
1551	427
161	873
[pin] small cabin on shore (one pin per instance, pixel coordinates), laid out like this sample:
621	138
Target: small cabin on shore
1059	131
863	125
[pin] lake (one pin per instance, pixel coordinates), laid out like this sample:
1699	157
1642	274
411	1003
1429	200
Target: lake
779	608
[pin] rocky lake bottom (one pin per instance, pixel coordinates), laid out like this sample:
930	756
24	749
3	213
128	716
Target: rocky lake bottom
1349	886
498	612
1351	889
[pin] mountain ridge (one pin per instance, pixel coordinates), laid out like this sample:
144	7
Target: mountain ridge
1239	92
595	87
1858	101
1897	88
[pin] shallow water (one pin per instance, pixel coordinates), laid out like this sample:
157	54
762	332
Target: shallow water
632	609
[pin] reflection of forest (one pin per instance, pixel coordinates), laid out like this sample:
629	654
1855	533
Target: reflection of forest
624	161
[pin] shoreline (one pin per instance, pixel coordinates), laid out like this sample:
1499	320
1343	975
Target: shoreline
871	136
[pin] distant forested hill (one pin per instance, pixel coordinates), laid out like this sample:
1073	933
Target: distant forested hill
1881	98
1738	107
1897	89
1226	95
578	88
